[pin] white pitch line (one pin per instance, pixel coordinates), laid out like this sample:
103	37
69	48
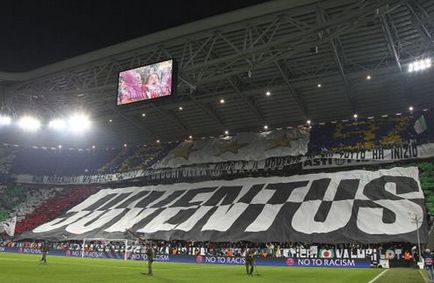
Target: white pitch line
424	276
378	276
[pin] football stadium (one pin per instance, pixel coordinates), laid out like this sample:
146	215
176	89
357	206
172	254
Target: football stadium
271	141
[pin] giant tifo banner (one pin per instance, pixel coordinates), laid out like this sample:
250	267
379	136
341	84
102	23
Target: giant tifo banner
353	206
242	146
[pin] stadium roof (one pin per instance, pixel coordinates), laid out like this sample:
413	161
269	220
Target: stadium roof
289	48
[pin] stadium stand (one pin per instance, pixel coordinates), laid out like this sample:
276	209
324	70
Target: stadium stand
46	204
7	157
60	162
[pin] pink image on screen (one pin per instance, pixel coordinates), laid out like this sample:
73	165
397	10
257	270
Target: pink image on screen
144	83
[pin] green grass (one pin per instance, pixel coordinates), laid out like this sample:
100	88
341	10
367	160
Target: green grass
27	268
401	275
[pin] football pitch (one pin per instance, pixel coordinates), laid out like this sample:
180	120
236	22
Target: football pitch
27	268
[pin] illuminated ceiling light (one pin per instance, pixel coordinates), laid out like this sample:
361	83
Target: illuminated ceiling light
158	141
57	124
79	123
268	93
410	108
226	132
93	147
110	120
143	114
265	127
180	108
319	85
222	101
125	145
59	146
29	123
368	77
190	137
5	120
419	65
308	122
355	116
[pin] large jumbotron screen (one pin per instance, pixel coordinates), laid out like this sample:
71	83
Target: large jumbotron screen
146	83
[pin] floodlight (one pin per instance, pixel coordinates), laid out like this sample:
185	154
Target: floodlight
419	65
5	120
29	123
57	124
79	123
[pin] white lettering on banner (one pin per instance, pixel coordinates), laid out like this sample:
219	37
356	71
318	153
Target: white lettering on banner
132	217
196	217
90	200
364	202
225	260
60	222
81	226
224	217
327	262
159	223
265	219
304	218
403	217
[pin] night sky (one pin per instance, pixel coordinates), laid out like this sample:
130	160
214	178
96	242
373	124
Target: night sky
38	33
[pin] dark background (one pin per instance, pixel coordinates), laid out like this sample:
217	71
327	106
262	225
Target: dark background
38	33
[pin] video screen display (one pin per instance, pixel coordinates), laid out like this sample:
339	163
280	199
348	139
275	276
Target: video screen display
144	83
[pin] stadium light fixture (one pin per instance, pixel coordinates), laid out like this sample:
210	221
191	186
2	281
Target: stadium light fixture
29	123
410	108
125	145
79	123
93	147
158	141
226	132
222	101
143	114
368	77
268	93
57	124
419	65
59	146
319	85
190	137
265	127
355	116
180	108
110	120
5	120
308	122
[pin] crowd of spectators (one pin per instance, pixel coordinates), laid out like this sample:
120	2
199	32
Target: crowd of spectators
265	250
136	158
18	200
55	202
7	157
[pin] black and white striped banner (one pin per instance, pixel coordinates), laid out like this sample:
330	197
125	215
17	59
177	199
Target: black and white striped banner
353	206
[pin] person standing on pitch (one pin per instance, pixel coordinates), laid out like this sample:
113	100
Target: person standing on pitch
150	253
44	250
250	260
